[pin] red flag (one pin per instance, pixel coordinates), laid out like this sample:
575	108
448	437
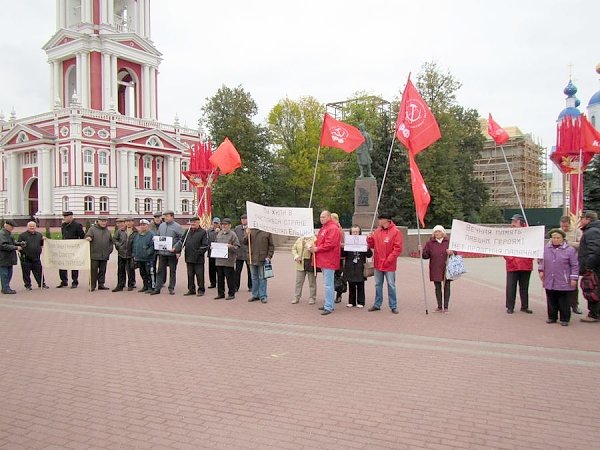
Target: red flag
226	158
498	134
340	135
420	192
590	137
416	127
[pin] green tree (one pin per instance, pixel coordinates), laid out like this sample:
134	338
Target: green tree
591	185
230	113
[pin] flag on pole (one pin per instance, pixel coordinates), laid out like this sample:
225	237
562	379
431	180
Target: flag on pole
416	127
419	189
590	137
226	158
498	134
340	135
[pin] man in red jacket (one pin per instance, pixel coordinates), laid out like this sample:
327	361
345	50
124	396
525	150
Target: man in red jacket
518	270
386	242
327	250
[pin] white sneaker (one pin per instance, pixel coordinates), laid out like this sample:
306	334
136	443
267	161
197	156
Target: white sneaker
311	302
295	301
349	305
360	306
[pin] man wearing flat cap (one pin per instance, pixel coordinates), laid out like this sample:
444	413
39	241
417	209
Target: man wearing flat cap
101	246
225	266
70	229
242	254
168	258
125	265
212	237
196	245
518	271
143	255
8	255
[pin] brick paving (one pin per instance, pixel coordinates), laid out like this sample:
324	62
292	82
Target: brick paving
126	370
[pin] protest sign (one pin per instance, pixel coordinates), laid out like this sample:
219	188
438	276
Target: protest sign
276	220
355	243
69	254
219	250
163	242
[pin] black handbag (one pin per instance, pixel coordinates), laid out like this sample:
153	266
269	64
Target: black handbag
308	267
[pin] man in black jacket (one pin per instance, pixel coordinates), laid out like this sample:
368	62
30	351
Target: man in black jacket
30	256
196	245
589	256
70	229
123	238
8	255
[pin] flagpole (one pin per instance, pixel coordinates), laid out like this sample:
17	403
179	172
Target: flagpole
422	268
579	181
387	165
312	188
514	184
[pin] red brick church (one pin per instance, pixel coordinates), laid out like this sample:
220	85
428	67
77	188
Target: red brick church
100	150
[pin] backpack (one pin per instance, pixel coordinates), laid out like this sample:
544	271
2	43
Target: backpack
589	286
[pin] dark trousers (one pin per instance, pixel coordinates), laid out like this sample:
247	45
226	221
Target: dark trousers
125	270
147	274
558	302
212	271
594	309
64	279
98	274
195	273
6	273
522	278
438	293
28	267
239	265
161	277
356	292
222	274
573	298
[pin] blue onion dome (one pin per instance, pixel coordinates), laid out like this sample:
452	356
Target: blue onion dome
577	102
570	90
569	111
595	100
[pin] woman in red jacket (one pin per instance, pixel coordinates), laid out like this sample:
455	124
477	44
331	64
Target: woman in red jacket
518	271
437	252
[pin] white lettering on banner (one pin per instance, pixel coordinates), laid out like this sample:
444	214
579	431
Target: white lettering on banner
527	242
277	220
69	254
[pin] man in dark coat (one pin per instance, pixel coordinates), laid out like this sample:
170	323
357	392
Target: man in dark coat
8	255
101	246
124	244
242	255
589	256
70	229
168	258
196	245
30	256
212	237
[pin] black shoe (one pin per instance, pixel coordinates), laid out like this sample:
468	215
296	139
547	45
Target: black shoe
171	291
395	311
102	288
550	321
219	297
338	299
9	291
92	289
576	310
143	289
200	294
510	311
321	308
212	286
154	292
74	285
264	300
373	308
45	286
149	291
230	297
326	312
526	310
189	293
253	299
131	288
117	289
28	288
62	285
564	324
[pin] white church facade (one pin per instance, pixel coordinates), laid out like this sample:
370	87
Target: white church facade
100	150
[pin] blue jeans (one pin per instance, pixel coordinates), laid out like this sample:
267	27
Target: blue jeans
6	273
390	277
328	275
259	282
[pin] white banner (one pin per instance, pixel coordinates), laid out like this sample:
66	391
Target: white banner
69	254
355	243
526	242
285	221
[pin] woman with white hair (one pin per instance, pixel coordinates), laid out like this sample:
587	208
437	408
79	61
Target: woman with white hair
437	252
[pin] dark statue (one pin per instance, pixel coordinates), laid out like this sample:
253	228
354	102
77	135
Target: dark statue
363	154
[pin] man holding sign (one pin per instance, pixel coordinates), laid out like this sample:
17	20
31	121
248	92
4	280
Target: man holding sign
168	244
518	271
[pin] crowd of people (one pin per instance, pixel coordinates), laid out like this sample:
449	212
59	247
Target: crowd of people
565	259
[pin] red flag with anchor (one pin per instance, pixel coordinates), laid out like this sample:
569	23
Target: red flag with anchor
340	135
419	189
416	127
498	134
226	158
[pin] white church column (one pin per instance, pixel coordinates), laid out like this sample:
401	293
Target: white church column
106	82
14	188
111	12
56	91
153	113
141	18
177	183
131	179
145	91
60	14
170	183
123	190
79	76
85	78
113	81
45	172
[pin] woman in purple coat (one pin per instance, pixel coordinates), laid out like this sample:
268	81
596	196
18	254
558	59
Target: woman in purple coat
559	271
437	252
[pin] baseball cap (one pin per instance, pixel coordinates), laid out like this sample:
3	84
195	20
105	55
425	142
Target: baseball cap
144	222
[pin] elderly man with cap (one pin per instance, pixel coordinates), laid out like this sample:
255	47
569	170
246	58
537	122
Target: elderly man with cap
386	242
143	255
195	244
8	255
168	258
70	229
225	266
101	246
30	256
157	219
518	271
212	237
125	264
242	254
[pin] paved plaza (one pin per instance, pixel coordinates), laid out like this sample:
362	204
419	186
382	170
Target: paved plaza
126	370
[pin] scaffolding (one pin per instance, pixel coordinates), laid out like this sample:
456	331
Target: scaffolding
527	160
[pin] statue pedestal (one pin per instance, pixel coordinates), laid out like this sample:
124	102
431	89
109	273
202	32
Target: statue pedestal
365	200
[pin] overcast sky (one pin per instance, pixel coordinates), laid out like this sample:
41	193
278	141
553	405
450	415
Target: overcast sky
512	57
